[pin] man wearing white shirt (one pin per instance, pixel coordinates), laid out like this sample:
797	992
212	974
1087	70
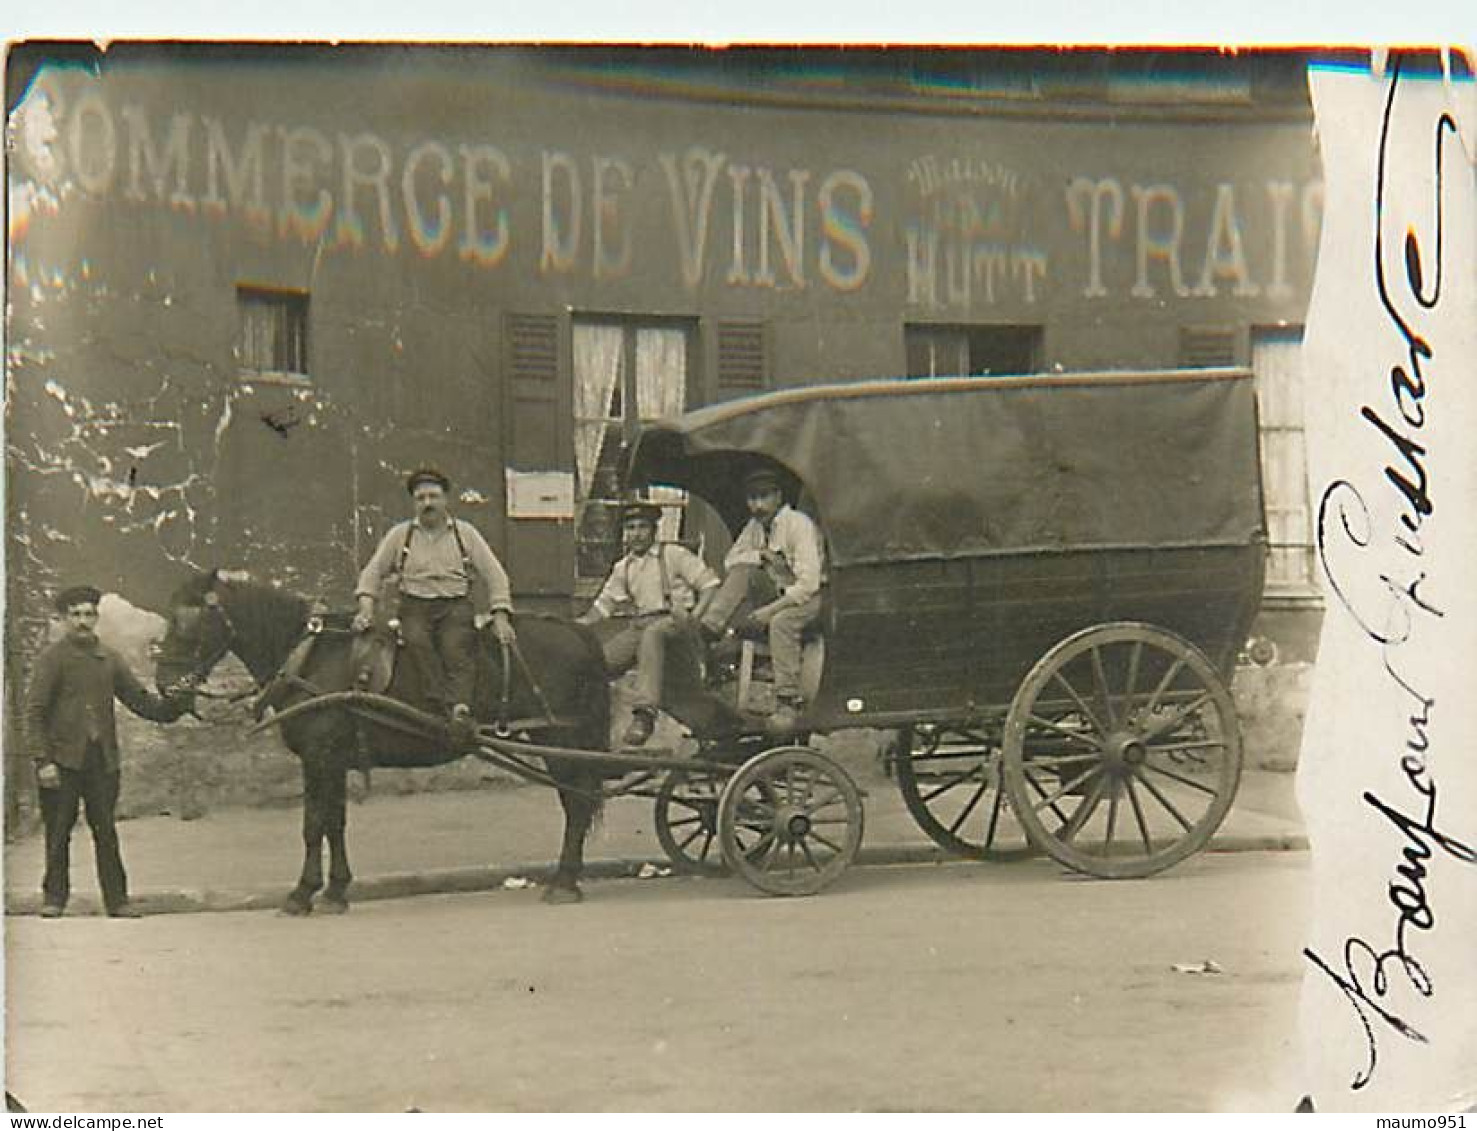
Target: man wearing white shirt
780	551
660	588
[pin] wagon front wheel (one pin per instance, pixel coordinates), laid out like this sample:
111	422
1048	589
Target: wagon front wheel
1122	751
790	821
687	822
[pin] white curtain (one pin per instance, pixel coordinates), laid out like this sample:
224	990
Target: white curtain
597	369
661	373
661	391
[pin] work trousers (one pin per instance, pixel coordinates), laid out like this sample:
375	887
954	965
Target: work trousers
441	641
96	787
646	643
751	585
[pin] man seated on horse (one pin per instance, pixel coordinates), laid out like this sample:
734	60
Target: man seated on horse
449	585
664	587
778	563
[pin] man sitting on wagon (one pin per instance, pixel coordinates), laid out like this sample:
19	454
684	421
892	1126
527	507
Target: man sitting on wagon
778	563
661	588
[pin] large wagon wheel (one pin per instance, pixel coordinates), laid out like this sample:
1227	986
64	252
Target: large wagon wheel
687	821
790	821
951	782
1122	751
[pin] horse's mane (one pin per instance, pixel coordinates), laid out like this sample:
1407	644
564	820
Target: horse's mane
267	620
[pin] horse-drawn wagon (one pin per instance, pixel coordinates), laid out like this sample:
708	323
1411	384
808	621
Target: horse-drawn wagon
1039	585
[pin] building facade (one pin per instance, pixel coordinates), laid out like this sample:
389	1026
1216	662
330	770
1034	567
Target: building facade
250	289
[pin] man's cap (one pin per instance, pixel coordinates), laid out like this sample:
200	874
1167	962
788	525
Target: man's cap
426	475
77	595
639	509
761	479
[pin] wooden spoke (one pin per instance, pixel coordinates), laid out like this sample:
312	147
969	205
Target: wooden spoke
1159	796
1064	732
1062	790
1100	684
957	779
836	798
1191	782
1130	685
994	817
1138	815
832	845
809	856
969	808
686	821
1037	786
1174	670
1199	744
1062	759
1112	819
1085	810
1081	703
1163	726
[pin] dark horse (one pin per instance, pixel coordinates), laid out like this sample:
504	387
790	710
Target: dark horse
561	672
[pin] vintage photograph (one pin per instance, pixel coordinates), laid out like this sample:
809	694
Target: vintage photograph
759	579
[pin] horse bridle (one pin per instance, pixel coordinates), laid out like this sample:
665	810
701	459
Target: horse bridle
205	665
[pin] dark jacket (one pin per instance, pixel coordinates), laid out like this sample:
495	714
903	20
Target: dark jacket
70	701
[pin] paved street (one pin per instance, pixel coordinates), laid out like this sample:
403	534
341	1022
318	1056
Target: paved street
918	987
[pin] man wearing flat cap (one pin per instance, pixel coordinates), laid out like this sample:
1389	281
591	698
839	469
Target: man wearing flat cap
74	743
659	589
449	586
777	561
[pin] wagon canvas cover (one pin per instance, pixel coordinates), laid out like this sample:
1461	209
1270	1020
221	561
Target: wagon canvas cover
912	470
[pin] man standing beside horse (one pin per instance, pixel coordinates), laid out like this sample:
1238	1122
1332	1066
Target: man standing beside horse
74	743
449	585
662	588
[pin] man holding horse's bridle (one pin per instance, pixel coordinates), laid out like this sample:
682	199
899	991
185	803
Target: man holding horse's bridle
449	585
74	744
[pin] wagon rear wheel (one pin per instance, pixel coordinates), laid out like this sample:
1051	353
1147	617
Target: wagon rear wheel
1122	751
687	821
952	784
790	821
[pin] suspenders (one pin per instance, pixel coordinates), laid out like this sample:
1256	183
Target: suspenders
661	562
461	548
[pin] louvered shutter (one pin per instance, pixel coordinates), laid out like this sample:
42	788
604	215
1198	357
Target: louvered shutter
743	358
539	552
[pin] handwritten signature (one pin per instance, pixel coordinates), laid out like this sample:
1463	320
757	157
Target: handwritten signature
1393	622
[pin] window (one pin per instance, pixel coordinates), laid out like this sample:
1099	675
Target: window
625	371
974	351
1276	357
274	334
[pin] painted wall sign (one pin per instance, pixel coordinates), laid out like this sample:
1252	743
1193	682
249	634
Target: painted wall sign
962	232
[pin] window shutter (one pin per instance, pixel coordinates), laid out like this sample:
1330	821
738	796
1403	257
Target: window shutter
533	347
743	357
1208	347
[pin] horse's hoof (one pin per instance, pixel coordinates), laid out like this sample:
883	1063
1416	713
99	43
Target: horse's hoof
559	894
330	906
295	908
